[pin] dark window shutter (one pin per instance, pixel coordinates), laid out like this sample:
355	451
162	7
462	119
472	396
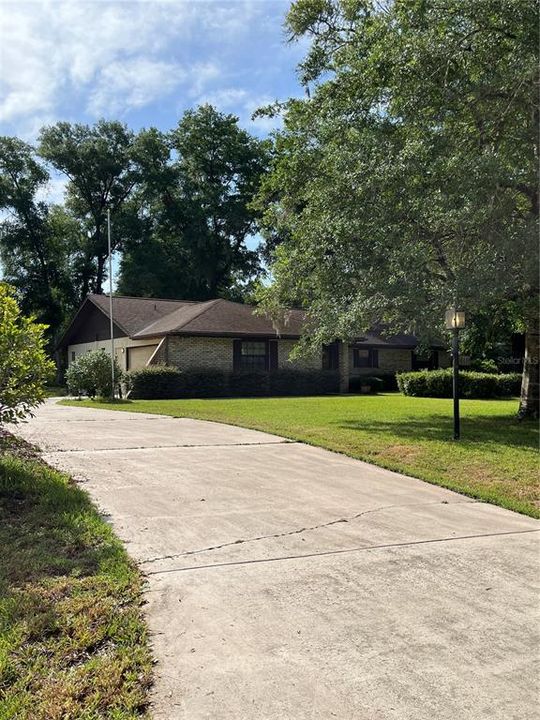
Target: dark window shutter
237	354
272	354
375	358
334	356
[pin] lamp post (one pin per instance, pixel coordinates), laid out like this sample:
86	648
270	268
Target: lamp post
455	321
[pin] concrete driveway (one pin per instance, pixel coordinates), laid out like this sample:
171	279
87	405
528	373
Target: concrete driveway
287	582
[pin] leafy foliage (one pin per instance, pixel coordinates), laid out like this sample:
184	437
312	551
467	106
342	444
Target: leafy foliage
90	374
101	165
35	239
407	182
197	212
475	385
24	365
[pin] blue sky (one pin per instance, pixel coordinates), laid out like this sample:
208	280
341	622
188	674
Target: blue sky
142	62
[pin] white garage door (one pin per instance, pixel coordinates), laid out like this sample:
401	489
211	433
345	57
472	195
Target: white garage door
137	357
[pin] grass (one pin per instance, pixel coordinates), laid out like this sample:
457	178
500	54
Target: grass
496	460
73	643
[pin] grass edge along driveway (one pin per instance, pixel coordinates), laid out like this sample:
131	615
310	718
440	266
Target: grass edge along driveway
73	641
496	460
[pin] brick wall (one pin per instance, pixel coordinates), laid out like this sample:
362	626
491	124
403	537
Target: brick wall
204	352
389	361
200	352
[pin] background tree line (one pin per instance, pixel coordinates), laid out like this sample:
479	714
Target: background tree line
180	203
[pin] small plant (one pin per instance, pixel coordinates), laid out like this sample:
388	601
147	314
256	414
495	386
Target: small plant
90	375
24	365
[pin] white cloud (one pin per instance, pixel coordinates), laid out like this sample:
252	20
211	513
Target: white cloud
80	59
132	84
243	104
49	49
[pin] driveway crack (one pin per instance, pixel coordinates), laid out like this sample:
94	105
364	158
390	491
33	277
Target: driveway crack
299	531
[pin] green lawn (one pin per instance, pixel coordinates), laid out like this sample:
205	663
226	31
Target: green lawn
496	461
73	642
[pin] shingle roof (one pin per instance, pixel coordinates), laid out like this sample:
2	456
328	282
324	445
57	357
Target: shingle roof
150	317
222	317
132	314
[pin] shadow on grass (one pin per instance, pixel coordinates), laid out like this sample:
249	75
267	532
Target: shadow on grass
48	526
72	633
495	429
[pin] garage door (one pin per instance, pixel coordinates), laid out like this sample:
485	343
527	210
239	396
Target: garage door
137	357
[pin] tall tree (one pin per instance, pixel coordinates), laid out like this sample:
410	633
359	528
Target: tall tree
34	245
101	165
407	182
200	205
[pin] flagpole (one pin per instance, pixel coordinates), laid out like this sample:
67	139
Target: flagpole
110	299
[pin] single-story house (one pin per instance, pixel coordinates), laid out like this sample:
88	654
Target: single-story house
228	336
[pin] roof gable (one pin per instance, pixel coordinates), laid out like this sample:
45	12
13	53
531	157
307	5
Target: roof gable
134	313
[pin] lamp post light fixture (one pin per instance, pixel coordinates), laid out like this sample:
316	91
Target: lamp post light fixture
455	321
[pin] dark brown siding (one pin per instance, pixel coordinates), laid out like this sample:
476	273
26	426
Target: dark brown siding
92	325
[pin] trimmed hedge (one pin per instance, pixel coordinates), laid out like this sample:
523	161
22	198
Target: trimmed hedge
158	382
438	383
379	382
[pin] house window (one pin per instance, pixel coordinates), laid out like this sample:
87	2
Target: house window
253	355
72	355
365	358
429	361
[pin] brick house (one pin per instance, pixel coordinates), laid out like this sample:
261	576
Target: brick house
227	336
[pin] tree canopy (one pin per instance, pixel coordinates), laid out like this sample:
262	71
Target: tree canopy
407	181
200	205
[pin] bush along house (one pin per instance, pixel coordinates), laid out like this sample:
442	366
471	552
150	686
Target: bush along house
220	335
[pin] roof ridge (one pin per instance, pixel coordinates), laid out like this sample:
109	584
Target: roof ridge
145	297
208	303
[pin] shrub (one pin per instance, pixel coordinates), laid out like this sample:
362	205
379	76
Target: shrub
90	375
203	382
484	366
438	383
154	382
160	382
24	366
509	384
250	383
290	381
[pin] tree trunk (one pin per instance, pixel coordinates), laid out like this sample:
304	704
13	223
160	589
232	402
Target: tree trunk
98	287
529	400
